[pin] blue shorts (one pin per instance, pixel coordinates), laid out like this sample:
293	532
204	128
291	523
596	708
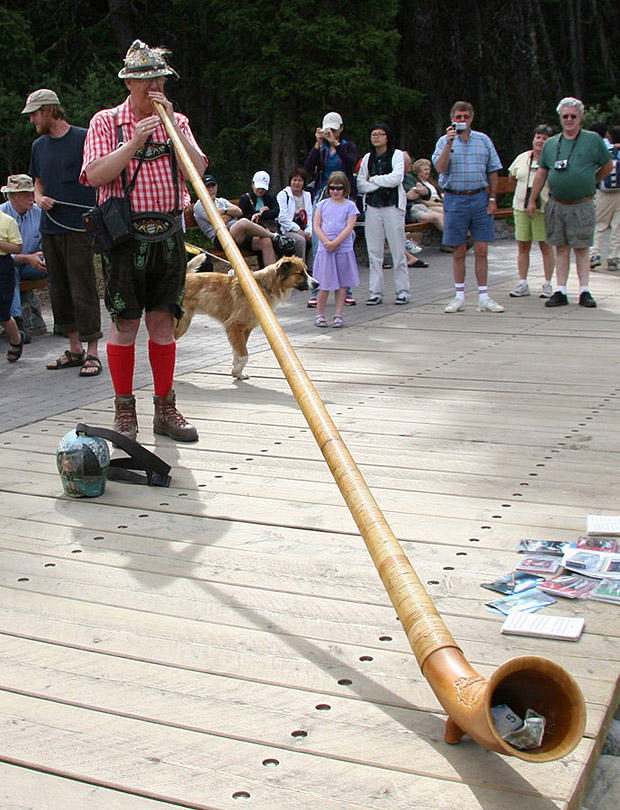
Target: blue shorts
467	213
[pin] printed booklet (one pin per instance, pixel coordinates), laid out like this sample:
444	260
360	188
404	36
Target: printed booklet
600	564
603	524
538	564
529	624
514	582
607	590
556	547
530	601
598	544
571	586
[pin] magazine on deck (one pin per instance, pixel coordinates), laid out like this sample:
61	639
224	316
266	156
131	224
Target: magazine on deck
603	524
529	624
530	601
607	590
556	547
514	582
570	586
599	543
538	564
600	564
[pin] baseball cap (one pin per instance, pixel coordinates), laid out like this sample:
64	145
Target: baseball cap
17	182
332	120
209	180
261	180
40	98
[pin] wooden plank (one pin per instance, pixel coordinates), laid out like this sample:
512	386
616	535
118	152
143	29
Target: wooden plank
206	770
261	713
27	789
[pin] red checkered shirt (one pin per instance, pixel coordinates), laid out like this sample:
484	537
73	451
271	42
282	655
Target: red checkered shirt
154	189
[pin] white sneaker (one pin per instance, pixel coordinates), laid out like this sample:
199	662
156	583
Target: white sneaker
547	290
489	305
456	305
522	290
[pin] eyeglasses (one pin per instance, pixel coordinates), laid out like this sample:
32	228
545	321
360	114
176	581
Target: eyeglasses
462	116
336	188
569	115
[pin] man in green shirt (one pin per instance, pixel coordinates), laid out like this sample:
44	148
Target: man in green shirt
573	162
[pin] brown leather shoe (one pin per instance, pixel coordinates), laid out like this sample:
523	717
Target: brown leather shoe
125	419
169	422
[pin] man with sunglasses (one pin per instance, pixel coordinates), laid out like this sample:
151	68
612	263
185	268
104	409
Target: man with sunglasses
573	162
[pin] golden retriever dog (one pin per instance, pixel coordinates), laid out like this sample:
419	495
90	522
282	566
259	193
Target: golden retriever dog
220	296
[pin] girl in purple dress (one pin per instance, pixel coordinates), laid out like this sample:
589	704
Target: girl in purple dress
335	266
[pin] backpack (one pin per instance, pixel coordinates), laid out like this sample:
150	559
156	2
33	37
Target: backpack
612	181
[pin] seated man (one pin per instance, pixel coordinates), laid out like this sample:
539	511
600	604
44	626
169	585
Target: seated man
247	234
29	264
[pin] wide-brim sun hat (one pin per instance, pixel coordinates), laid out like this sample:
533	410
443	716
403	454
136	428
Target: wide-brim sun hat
16	183
142	62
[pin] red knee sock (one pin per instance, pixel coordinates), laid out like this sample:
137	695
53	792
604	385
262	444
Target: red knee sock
121	361
162	358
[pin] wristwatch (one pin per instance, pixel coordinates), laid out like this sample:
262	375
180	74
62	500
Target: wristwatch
491	199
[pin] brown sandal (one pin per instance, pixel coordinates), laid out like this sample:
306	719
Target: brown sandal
73	359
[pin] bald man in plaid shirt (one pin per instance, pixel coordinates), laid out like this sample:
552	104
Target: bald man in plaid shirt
147	273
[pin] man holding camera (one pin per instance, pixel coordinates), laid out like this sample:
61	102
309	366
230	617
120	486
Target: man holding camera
573	162
467	162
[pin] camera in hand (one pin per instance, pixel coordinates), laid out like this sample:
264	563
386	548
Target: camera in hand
459	126
560	165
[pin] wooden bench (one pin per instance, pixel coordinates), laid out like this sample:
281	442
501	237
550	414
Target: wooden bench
505	185
191	224
32	284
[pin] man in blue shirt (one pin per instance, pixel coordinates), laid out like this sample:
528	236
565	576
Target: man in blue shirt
55	163
29	264
467	162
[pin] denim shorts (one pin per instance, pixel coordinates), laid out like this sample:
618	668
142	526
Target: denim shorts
467	213
571	225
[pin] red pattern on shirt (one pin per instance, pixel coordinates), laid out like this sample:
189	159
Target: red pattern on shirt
154	189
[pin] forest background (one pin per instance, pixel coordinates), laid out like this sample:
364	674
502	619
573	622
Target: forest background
257	77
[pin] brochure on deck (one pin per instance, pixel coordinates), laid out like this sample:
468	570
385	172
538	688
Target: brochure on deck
603	524
514	582
599	564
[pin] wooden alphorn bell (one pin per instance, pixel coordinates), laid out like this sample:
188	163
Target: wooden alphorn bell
521	683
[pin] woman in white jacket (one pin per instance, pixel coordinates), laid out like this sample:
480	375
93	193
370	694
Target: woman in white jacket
295	217
380	180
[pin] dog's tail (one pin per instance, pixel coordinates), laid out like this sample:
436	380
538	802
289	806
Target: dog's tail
195	265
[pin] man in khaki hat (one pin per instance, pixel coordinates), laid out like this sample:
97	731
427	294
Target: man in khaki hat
55	165
147	273
29	264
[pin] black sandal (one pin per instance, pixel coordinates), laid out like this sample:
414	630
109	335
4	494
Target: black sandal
90	363
16	349
73	359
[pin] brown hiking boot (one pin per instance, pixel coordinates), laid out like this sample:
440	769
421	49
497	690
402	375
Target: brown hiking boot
125	419
169	422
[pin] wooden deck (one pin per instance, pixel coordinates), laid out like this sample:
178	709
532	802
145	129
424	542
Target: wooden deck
227	642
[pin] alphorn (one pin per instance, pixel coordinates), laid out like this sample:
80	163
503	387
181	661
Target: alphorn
521	683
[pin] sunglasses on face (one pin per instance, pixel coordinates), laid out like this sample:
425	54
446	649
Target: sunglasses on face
568	115
336	188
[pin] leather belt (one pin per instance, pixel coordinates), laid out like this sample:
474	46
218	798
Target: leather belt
469	193
572	202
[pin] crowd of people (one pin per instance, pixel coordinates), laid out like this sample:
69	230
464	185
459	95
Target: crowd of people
567	194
